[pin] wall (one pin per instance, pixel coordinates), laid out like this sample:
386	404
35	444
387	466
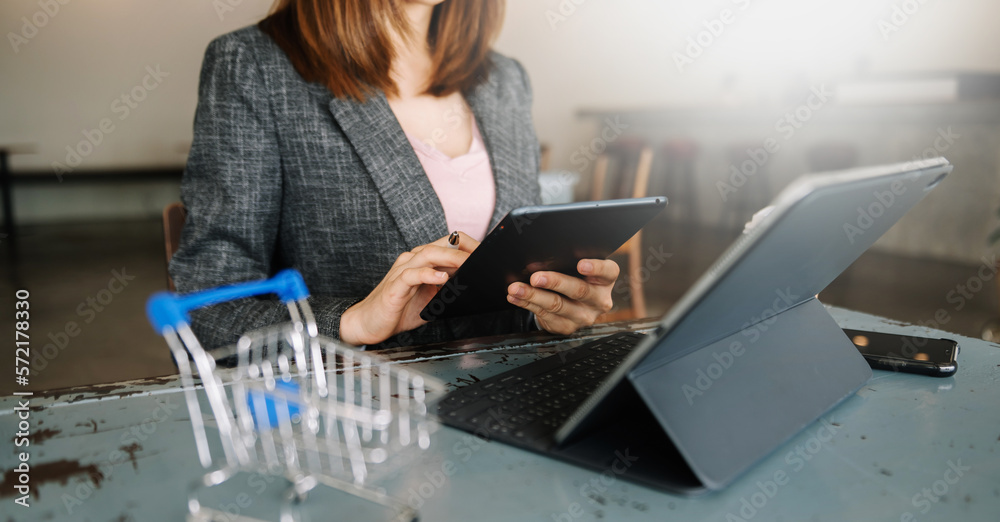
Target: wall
75	70
580	54
619	55
73	73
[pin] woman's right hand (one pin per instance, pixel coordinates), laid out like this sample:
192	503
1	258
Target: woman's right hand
394	305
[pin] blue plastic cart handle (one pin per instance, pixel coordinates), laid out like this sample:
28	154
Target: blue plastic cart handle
166	309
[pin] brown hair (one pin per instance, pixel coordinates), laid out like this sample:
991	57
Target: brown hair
347	44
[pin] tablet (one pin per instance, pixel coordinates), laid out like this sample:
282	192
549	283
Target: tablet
529	239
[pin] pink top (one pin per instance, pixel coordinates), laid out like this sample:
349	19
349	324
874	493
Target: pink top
463	184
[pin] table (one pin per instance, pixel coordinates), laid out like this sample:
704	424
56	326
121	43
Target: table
5	191
904	447
48	178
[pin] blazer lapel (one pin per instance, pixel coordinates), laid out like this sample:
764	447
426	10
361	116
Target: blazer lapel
375	133
499	131
392	164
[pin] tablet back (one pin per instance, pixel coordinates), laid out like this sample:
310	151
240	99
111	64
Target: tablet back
748	357
529	239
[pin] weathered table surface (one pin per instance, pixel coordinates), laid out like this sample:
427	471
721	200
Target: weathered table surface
905	447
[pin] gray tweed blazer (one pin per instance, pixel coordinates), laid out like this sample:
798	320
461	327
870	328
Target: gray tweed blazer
283	174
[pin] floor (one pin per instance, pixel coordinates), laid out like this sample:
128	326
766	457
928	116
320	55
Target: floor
89	282
88	285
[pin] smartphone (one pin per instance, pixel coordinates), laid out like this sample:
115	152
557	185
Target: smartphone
904	353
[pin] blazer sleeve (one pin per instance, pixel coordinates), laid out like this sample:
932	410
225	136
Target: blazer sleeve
232	190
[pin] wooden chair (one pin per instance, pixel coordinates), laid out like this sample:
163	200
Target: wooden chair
174	216
635	160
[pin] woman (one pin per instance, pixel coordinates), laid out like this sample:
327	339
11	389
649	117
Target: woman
346	138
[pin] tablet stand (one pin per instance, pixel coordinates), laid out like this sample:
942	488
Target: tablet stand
730	403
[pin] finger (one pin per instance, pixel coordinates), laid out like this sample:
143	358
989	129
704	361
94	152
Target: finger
466	243
551	303
548	321
437	256
408	279
569	286
599	271
403	258
596	296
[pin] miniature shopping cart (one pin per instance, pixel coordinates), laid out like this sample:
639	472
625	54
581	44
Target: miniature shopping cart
297	413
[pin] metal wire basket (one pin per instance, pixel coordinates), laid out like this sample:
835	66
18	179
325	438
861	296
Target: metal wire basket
297	406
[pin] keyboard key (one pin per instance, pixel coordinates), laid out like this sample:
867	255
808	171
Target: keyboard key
533	401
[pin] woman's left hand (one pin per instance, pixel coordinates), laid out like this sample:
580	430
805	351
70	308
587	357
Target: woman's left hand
565	303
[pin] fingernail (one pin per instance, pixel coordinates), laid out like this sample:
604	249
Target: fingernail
586	266
442	275
513	300
518	291
541	280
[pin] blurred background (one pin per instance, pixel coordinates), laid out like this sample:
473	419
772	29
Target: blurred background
716	104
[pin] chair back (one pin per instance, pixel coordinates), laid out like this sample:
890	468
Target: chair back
623	170
174	216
